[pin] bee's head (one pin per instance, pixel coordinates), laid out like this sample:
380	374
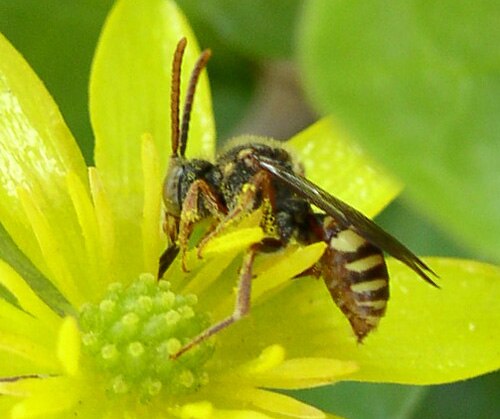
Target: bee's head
180	170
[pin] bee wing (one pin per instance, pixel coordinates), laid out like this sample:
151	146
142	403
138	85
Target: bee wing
347	217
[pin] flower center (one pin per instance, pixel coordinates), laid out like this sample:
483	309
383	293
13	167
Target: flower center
133	332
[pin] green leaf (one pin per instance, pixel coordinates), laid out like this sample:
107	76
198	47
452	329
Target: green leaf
477	399
232	79
58	40
417	232
366	400
259	28
418	84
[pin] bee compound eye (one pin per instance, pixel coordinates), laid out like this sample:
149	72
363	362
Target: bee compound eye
171	191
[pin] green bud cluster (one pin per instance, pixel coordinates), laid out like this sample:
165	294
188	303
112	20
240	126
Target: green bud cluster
132	334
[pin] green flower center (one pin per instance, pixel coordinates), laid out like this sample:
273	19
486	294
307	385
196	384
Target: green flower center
132	334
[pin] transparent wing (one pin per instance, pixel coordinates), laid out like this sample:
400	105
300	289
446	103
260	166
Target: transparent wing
347	217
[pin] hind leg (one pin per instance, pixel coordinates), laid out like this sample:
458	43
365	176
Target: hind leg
241	306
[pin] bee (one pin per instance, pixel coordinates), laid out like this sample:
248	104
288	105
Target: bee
257	172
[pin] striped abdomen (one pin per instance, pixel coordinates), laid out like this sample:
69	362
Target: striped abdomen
356	275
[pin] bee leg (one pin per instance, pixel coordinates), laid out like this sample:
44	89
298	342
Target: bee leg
246	203
166	259
356	276
191	213
171	228
241	307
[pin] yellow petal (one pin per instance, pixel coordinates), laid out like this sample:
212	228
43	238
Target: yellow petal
6	404
151	228
27	299
19	322
271	272
278	404
199	410
305	373
269	358
13	365
234	241
432	336
106	225
68	345
240	414
41	396
91	284
36	152
41	358
279	268
55	253
428	335
270	369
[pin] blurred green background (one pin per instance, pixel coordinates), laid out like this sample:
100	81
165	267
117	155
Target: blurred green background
416	83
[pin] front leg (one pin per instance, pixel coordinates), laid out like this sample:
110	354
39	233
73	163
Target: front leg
167	257
179	229
246	203
171	229
200	202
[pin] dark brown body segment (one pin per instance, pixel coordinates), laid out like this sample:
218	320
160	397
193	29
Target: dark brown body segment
356	275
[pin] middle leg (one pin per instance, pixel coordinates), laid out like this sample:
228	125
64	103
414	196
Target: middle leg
247	201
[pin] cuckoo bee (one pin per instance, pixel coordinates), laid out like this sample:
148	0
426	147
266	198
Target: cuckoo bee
258	171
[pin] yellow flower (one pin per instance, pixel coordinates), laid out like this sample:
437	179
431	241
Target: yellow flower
99	346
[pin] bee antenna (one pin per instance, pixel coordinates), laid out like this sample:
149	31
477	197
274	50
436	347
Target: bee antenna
188	104
175	94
